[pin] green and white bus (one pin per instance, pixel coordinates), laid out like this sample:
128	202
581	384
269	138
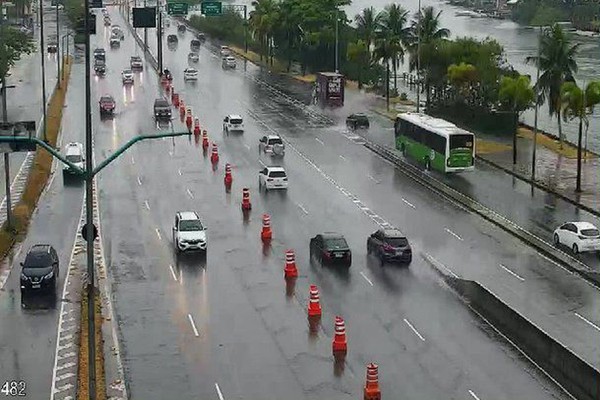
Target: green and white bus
434	142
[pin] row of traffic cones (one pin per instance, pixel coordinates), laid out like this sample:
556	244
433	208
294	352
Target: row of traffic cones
339	344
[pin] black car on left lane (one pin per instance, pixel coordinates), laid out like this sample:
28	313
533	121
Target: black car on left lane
40	270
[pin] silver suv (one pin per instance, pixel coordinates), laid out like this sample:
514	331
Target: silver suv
188	232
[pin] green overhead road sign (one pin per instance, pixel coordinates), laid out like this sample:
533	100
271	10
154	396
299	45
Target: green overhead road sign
211	8
174	8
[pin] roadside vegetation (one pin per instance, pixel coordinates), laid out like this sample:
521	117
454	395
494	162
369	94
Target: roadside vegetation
583	14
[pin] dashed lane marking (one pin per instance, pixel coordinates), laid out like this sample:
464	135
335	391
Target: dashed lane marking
590	323
416	332
146	205
219	393
472	393
504	267
189	192
300	206
342	157
453	234
158	233
139	181
132	160
371	177
173	273
408	203
320	141
193	325
179	172
366	279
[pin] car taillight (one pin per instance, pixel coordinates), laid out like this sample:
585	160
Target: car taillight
387	248
348	255
327	255
269	180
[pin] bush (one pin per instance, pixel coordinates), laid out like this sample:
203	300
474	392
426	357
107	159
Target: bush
403	96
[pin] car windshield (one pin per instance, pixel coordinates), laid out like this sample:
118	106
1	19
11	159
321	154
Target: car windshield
190	225
275	141
590	232
461	141
37	260
74	158
235	120
127	72
277	174
106	100
397	241
336	243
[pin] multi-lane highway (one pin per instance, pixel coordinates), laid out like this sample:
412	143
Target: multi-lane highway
222	326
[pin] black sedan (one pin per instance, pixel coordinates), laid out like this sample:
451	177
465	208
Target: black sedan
107	106
40	269
330	249
390	245
357	121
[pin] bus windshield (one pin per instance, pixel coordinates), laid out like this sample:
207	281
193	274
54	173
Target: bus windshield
461	141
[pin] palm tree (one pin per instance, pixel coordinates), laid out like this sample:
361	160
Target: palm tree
262	21
557	63
393	21
368	23
577	103
385	49
517	95
358	53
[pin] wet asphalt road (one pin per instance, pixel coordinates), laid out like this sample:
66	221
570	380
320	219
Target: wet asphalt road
29	324
195	326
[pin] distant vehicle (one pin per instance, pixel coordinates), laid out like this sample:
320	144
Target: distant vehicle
228	62
190	74
73	154
52	47
195	44
270	178
329	89
115	42
162	110
272	144
225	51
578	236
100	67
106	21
330	249
357	120
232	123
201	37
117	32
127	77
172	39
136	63
100	54
181	28
389	245
435	143
188	232
193	57
107	106
40	270
167	75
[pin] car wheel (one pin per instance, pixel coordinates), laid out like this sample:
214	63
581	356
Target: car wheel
556	239
575	248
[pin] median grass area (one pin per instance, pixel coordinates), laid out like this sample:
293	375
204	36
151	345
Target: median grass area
568	150
84	364
39	172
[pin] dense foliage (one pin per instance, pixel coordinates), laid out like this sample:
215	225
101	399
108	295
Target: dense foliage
582	13
13	44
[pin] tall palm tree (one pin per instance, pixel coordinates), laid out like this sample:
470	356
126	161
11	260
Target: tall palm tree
263	21
368	23
393	21
517	95
359	55
557	64
578	103
384	51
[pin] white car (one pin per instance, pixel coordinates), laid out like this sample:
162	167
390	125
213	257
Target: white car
272	178
117	32
193	57
578	236
115	42
188	232
190	74
228	62
225	51
73	154
127	76
272	144
232	123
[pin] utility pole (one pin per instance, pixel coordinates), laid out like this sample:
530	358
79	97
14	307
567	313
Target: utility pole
58	57
145	33
6	159
337	18
42	54
419	58
537	106
89	214
159	35
246	28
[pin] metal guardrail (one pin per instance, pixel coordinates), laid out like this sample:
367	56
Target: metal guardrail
555	254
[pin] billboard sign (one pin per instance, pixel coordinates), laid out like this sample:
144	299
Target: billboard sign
20	129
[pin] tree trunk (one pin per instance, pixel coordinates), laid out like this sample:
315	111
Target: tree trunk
560	133
387	85
395	77
515	138
579	140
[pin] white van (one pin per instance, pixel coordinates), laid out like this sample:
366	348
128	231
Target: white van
74	154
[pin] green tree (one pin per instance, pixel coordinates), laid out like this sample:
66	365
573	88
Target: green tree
557	65
13	44
385	50
394	25
578	103
463	76
262	23
368	23
359	55
517	95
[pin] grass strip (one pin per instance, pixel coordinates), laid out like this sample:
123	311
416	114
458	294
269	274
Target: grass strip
84	365
39	172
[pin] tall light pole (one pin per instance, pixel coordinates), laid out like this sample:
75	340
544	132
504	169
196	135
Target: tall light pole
420	28
42	54
337	18
537	106
58	58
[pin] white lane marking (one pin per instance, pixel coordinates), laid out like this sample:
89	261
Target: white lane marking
408	203
181	277
367	279
146	204
433	260
453	234
173	273
247	146
170	153
300	206
179	172
261	163
473	394
132	160
218	389
590	323
320	141
373	179
512	273
413	329
158	234
139	181
342	157
193	325
189	192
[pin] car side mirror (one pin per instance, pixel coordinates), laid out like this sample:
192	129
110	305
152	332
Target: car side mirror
21	264
174	228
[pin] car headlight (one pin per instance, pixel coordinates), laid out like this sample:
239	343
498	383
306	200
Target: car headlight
50	275
24	277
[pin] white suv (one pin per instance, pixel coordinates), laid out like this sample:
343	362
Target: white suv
272	178
272	144
188	233
233	122
578	236
73	154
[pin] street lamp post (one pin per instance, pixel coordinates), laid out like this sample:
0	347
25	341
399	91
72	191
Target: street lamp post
419	58
535	118
337	18
42	54
58	48
63	47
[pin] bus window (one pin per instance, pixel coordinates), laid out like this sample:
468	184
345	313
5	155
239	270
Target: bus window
461	142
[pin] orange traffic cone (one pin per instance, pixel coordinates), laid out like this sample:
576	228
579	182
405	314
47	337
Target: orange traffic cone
290	264
246	205
339	340
172	95
290	287
197	127
168	87
189	119
181	108
214	157
266	234
372	391
175	99
204	139
314	307
228	177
